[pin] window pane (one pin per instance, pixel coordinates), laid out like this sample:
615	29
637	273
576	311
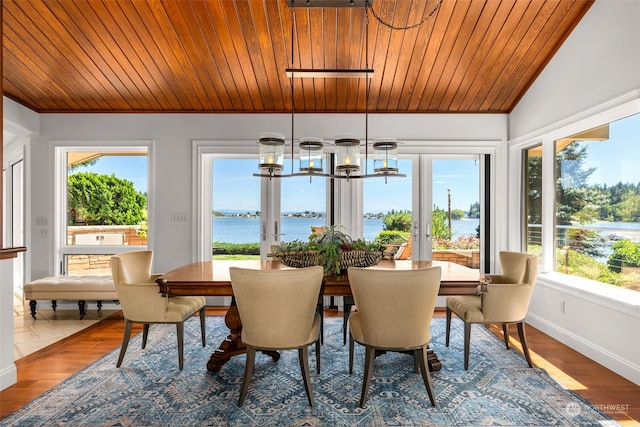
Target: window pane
107	199
389	201
456	211
236	210
303	205
598	204
533	199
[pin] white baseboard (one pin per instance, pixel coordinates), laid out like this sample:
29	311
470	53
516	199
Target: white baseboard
8	376
623	367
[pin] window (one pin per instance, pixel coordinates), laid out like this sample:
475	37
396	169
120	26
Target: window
597	230
582	202
102	206
533	199
284	210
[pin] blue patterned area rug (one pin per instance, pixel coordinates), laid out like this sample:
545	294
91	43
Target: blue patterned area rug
149	390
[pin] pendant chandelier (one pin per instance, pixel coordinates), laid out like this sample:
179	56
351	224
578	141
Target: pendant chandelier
347	147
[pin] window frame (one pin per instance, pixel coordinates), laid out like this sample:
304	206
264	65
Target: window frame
547	137
60	247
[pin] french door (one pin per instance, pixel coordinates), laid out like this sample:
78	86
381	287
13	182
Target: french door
442	197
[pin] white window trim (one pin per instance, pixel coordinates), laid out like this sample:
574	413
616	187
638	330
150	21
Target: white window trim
59	150
611	111
348	195
203	152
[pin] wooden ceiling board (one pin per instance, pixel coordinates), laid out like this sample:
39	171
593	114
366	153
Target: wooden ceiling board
541	52
222	56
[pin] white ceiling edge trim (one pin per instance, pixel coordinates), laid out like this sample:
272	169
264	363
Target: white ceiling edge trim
607	111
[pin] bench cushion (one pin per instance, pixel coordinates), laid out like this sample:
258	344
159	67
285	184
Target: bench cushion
71	287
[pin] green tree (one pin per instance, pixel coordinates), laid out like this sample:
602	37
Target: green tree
457	213
99	199
571	185
534	189
474	210
439	224
400	221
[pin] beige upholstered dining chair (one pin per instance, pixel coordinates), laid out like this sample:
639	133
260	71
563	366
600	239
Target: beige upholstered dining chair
395	308
505	300
142	303
278	312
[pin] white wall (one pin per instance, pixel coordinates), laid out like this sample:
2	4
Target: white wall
598	62
19	123
595	75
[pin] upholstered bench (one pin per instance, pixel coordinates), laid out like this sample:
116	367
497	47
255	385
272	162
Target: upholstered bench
80	288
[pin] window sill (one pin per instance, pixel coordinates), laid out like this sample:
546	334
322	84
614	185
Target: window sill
616	297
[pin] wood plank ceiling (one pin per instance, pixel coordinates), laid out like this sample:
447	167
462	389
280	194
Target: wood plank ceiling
230	55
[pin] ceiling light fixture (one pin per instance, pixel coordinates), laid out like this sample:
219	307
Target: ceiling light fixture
347	147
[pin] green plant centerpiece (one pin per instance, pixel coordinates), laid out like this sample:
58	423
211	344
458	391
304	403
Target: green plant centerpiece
332	248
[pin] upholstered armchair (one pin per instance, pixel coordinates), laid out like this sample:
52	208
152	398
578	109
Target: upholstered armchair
505	300
278	312
142	303
395	308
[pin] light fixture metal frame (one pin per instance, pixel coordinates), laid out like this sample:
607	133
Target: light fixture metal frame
331	73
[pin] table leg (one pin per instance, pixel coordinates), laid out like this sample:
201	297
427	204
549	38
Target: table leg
232	345
432	360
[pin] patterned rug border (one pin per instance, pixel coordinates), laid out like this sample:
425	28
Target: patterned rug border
397	396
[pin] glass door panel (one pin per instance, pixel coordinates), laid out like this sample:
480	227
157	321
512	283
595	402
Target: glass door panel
456	210
236	210
303	205
387	211
433	213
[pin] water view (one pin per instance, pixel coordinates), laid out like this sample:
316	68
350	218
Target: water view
247	229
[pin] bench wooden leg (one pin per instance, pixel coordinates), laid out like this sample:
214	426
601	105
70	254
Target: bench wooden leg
54	304
82	305
99	305
32	305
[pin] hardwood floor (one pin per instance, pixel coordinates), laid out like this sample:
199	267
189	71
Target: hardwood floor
40	371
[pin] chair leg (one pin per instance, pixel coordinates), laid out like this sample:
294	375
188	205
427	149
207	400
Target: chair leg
180	333
448	327
415	361
320	311
202	327
426	376
145	334
351	341
505	332
370	355
318	356
248	371
303	357
347	302
467	343
125	341
523	341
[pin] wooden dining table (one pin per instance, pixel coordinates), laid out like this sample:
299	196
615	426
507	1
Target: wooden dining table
211	278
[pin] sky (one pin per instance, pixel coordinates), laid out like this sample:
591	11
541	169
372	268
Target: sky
132	168
235	187
618	158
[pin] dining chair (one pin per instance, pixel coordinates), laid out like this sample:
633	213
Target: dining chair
403	253
278	312
141	301
505	301
394	312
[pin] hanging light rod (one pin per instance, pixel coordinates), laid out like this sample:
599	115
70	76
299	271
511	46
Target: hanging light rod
328	3
324	73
